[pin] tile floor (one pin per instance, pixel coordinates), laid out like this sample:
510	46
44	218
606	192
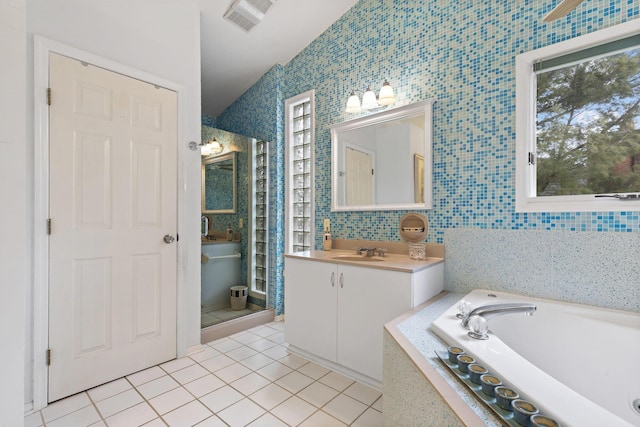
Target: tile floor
209	317
246	379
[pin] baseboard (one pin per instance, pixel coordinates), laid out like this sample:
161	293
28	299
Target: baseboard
194	349
28	408
234	326
350	373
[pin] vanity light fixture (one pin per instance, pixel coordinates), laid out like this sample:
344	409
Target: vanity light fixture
369	99
207	148
214	146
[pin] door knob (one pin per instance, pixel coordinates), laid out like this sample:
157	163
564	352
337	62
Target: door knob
168	238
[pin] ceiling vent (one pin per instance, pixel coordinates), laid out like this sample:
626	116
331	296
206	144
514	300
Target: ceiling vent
248	13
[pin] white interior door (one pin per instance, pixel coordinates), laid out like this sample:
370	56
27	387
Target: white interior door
359	177
113	197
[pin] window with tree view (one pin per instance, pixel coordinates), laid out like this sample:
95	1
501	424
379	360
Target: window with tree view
588	121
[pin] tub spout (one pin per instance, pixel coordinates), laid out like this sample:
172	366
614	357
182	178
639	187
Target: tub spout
493	310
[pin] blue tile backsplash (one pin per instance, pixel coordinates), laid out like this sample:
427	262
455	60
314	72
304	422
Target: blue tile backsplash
462	54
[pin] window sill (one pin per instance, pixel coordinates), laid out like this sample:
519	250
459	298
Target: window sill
575	204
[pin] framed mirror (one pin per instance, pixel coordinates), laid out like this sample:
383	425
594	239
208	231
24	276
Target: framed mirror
383	161
219	184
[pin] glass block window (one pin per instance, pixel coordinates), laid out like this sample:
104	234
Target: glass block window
300	125
259	216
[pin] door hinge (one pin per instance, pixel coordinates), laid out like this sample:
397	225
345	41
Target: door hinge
48	96
49	227
48	357
532	158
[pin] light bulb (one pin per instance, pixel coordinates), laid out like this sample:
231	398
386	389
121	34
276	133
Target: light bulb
216	147
369	101
353	103
386	94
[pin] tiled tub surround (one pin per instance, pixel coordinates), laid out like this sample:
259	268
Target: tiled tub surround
601	269
418	389
585	268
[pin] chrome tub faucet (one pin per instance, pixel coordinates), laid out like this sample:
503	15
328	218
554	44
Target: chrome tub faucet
481	314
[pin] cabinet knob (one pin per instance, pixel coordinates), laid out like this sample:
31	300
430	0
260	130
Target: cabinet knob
341	280
333	279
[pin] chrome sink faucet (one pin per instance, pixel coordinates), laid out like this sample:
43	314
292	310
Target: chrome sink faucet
493	310
367	251
381	252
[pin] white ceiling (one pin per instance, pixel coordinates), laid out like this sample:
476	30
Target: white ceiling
233	60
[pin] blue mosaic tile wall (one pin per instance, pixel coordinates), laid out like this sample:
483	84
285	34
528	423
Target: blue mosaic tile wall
208	121
259	113
462	54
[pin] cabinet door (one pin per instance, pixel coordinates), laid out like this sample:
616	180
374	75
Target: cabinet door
367	299
310	305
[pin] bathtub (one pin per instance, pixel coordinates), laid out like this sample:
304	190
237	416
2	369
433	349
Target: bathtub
578	364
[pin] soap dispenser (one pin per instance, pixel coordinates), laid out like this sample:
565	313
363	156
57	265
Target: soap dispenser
327	235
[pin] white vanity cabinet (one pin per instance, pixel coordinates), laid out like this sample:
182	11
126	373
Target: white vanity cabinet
336	312
311	312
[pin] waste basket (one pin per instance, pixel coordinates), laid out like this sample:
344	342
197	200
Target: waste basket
239	297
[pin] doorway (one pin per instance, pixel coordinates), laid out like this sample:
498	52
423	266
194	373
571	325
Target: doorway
234	269
112	276
184	320
360	182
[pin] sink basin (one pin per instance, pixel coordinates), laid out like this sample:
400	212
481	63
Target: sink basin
357	258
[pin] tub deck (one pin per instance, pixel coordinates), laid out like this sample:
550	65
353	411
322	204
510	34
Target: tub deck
411	399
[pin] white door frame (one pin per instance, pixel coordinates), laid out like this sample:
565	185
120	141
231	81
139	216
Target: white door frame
42	48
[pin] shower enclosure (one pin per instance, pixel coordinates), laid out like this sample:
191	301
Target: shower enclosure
234	234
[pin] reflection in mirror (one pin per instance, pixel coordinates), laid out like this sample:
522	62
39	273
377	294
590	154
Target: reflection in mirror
418	177
248	224
383	161
219	184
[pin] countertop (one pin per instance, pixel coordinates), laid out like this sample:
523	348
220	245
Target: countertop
217	241
391	261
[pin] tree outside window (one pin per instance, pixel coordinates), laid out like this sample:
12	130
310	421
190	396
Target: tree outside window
588	127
